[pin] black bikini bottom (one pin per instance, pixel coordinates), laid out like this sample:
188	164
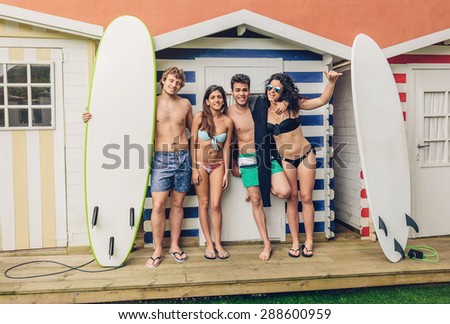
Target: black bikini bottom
297	162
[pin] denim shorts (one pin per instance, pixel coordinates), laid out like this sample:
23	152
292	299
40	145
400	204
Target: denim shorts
171	170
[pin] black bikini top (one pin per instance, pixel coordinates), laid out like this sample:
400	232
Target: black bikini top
285	126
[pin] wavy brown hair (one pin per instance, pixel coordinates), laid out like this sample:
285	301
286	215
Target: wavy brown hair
177	73
207	123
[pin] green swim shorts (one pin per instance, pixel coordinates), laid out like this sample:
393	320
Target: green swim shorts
249	169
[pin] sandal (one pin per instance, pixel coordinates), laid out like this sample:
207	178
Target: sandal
210	255
180	257
154	262
309	252
222	255
293	253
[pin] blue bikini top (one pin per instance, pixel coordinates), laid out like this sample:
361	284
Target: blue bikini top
203	135
285	126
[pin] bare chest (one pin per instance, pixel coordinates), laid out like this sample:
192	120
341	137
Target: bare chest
167	116
243	123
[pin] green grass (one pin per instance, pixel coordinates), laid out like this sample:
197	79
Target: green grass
410	294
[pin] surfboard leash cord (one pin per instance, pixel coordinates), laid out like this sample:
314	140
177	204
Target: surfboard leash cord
422	253
69	268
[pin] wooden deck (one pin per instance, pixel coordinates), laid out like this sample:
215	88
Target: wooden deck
345	262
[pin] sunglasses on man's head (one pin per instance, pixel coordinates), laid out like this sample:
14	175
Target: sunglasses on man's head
271	87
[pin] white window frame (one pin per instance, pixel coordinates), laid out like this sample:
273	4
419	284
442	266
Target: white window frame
29	106
446	138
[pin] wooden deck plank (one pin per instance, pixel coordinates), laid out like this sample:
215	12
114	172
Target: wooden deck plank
345	263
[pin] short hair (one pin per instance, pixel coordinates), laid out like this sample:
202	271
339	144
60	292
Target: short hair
177	72
240	78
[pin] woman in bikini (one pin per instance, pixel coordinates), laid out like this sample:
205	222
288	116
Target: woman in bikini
298	156
211	135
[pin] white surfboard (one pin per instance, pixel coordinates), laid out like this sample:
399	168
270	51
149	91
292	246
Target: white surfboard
118	137
382	145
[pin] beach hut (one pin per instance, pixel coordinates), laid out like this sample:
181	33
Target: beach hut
421	71
211	52
45	64
211	47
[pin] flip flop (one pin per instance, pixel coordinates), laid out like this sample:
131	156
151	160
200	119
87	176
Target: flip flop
154	262
223	255
308	251
210	255
294	255
178	256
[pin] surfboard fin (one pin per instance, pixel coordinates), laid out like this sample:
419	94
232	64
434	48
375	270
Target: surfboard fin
411	223
111	246
382	225
399	248
95	216
131	217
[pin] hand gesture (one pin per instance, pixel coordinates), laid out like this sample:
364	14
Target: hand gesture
282	107
332	76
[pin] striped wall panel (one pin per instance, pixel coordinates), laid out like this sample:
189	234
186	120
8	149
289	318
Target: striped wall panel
28	190
193	53
305	68
400	77
352	202
32	173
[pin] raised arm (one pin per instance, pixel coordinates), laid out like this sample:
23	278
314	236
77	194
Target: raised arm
309	104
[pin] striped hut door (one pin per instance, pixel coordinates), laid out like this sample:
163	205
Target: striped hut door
431	172
32	167
238	223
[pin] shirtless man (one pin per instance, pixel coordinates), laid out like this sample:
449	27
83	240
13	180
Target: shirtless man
171	164
241	115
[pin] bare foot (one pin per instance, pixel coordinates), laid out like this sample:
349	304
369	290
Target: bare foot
266	253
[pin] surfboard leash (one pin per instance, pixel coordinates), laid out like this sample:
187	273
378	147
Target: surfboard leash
423	253
69	268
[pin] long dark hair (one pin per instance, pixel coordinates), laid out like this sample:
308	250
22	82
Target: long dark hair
207	123
290	93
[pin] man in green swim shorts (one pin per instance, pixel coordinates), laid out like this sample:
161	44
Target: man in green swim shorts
249	169
246	166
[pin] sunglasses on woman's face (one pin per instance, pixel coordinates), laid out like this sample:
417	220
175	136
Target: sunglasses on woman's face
271	87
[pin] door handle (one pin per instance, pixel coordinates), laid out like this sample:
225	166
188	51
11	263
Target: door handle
422	146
